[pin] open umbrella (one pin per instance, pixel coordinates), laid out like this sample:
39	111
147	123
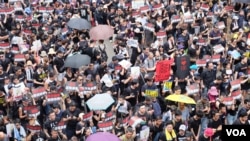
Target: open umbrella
100	102
103	136
101	32
76	61
180	98
79	24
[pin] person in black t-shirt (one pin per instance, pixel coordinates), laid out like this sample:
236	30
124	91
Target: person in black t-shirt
51	123
71	116
195	124
39	77
242	119
57	135
241	67
157	128
215	123
131	93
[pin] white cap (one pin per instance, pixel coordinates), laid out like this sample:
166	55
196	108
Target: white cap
183	127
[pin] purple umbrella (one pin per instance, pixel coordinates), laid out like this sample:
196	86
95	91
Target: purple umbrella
103	136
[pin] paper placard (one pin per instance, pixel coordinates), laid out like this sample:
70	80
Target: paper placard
136	4
18	90
167	86
192	89
235	84
151	93
132	43
135	72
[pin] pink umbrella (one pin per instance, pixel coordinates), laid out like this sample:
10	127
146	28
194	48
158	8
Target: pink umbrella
101	32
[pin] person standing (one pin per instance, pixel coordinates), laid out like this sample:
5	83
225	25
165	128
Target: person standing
168	133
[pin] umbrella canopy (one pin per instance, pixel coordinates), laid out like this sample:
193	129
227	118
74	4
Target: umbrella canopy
103	136
100	102
79	24
101	32
180	98
77	61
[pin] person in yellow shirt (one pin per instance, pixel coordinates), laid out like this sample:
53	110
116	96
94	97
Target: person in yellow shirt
129	135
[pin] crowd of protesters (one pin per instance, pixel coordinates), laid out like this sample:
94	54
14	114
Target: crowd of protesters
214	22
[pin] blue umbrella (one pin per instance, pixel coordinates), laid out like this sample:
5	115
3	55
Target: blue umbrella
100	102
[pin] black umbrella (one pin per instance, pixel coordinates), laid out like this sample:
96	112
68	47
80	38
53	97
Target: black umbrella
77	61
79	24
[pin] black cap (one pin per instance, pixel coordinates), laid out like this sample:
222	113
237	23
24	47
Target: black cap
25	98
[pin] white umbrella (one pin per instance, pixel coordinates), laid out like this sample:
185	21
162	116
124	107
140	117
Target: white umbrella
100	102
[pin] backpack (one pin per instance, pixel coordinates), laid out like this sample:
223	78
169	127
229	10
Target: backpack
103	53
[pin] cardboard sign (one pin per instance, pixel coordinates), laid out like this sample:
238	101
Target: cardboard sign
110	116
216	58
35	128
144	9
71	86
61	125
167	86
207	58
235	84
38	92
218	48
105	126
161	34
162	70
205	7
182	63
188	19
193	89
201	63
136	4
87	116
18	91
236	94
53	97
150	27
132	43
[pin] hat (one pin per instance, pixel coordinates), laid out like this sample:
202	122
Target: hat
213	91
29	63
241	74
193	67
183	127
209	132
51	51
242	113
108	83
43	53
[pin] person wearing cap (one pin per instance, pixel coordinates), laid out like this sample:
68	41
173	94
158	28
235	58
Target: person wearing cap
182	133
207	135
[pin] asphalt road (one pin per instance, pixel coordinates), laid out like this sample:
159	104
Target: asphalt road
109	50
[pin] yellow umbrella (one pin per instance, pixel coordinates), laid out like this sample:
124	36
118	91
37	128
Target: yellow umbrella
180	98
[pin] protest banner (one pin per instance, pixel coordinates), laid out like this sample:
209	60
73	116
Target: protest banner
18	91
53	98
110	116
136	4
32	110
193	89
167	86
162	70
235	84
39	92
183	63
88	116
71	86
132	43
236	94
105	126
60	125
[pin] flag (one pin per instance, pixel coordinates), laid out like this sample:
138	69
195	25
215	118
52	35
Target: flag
60	125
105	126
175	19
193	89
110	116
201	63
161	34
150	27
218	48
53	97
216	57
71	86
4	45
236	94
36	128
19	58
38	92
88	116
235	84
